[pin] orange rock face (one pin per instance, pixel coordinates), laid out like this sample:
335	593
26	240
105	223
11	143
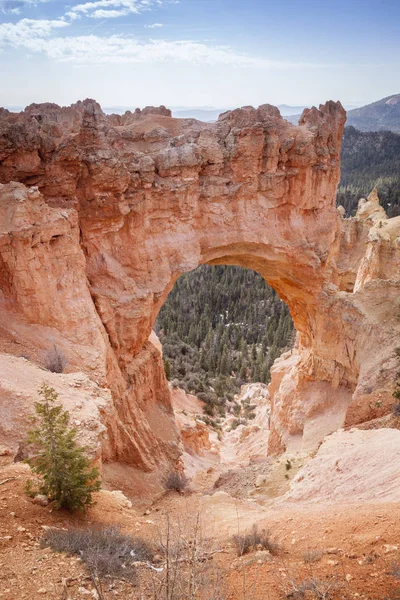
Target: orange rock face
111	210
194	433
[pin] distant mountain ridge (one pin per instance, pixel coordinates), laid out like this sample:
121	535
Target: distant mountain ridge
378	116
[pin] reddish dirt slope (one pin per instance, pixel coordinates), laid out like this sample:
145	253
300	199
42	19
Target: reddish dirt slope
359	544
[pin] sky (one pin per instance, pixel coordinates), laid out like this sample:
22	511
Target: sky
214	53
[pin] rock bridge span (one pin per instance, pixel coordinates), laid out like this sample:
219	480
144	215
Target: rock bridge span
109	210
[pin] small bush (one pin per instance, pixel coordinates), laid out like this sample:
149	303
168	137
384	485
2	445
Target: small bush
396	570
396	409
249	542
55	360
176	482
167	369
105	551
210	422
236	409
313	588
208	410
237	422
312	556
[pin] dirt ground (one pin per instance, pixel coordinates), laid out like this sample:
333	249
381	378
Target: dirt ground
353	546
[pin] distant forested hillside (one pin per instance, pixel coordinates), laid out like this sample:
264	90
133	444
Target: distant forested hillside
369	159
382	115
220	328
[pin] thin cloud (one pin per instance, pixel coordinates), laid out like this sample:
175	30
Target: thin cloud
111	9
29	33
36	36
155	25
14	7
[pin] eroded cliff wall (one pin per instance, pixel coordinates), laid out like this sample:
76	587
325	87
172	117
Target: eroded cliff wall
111	210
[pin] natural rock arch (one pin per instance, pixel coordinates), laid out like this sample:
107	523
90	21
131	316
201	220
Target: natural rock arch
128	203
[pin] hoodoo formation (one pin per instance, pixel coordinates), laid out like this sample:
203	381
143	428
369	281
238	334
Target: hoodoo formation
100	215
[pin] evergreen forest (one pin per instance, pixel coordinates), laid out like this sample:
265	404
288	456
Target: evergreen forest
368	159
222	327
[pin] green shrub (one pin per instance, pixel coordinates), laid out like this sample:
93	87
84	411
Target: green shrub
64	472
208	410
167	369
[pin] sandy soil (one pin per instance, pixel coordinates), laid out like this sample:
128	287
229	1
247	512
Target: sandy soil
355	543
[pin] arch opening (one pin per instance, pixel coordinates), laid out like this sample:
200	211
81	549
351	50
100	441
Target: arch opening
222	327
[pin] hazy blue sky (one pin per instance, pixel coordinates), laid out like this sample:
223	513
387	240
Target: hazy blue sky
220	53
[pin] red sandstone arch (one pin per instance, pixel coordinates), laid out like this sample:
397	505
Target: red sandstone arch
131	202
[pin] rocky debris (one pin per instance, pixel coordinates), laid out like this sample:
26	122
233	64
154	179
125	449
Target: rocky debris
239	482
117	497
41	500
351	466
246	432
259	558
230	442
116	208
226	515
86	402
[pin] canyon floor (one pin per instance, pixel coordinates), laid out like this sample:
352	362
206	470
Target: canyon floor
333	515
355	544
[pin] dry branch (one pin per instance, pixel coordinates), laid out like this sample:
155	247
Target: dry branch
6	480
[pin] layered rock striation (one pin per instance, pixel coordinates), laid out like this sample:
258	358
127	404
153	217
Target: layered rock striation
110	210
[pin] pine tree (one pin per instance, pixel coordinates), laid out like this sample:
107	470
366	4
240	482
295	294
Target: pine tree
167	369
224	366
64	471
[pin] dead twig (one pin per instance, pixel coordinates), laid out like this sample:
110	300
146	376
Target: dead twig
6	480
